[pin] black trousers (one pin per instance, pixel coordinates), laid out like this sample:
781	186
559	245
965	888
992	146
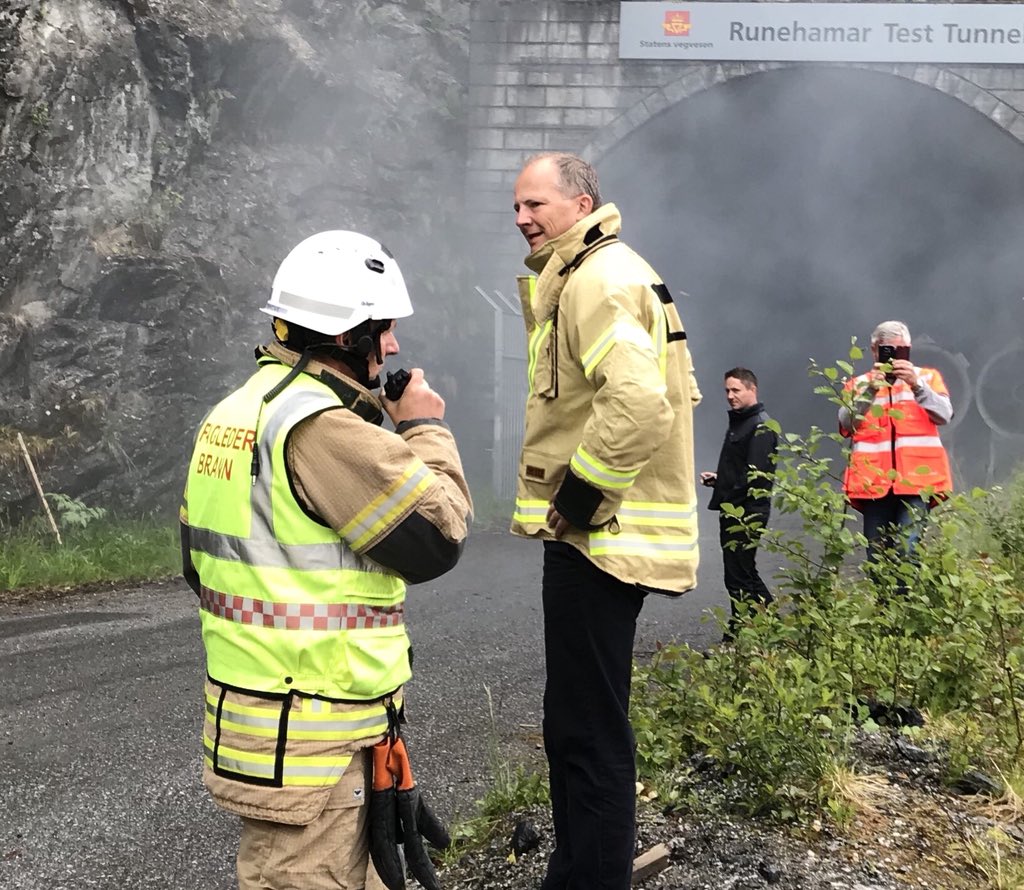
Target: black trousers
742	580
589	627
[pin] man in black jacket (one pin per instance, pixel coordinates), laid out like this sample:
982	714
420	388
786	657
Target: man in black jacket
748	445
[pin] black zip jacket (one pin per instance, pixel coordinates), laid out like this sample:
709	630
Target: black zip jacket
747	443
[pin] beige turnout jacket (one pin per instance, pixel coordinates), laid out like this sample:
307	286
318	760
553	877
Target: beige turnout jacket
609	416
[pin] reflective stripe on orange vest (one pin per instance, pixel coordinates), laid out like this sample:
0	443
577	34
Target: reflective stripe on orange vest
901	442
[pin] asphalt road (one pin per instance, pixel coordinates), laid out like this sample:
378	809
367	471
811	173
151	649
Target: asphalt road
100	771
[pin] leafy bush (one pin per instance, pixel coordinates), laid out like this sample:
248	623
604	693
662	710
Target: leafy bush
774	712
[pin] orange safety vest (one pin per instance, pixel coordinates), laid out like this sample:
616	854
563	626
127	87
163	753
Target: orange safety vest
902	438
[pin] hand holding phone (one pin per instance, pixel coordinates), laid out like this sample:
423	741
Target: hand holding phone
888	353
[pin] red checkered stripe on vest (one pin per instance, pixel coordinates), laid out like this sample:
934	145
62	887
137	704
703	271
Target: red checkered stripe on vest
299	616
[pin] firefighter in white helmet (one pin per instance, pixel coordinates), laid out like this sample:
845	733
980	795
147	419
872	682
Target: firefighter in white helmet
303	519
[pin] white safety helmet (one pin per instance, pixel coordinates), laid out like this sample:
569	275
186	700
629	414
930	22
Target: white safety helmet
334	281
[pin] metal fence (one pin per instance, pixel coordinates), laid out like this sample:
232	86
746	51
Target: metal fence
510	389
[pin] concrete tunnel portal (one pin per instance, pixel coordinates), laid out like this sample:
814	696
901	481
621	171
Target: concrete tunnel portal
801	206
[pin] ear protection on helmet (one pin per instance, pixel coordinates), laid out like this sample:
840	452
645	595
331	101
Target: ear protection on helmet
364	346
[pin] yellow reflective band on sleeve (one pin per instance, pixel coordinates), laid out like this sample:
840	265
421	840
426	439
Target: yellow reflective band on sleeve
597	473
653	513
536	339
384	509
656	546
598	350
530	512
618	332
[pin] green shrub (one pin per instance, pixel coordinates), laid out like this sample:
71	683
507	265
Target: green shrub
775	711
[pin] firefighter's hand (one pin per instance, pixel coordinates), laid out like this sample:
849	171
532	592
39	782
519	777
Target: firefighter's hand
904	370
417	402
557	522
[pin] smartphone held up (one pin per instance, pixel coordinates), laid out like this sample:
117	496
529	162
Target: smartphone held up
889	352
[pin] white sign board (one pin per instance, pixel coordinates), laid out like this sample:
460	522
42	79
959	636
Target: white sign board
965	33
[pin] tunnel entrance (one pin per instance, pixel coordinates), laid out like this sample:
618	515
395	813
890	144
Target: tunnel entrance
802	206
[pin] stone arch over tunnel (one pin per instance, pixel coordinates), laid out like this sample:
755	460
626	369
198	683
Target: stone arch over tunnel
801	205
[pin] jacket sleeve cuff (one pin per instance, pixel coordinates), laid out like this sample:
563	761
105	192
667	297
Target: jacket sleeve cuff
422	421
577	501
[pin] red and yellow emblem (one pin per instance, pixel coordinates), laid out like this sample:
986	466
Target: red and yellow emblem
677	23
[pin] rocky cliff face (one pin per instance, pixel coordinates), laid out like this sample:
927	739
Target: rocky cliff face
157	160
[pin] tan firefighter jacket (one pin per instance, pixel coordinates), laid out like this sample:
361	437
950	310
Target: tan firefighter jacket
609	415
300	564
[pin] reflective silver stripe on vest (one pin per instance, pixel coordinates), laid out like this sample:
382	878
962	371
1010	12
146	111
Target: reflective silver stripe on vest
872	447
269	553
299	405
261	548
918	442
901	442
298	616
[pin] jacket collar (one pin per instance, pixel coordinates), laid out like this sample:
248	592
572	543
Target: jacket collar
736	415
353	395
556	259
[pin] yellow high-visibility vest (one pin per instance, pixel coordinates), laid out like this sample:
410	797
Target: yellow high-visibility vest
287	605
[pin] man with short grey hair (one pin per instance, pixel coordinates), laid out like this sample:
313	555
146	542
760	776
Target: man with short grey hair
606	480
898	466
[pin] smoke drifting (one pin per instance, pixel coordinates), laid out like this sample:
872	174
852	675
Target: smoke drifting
802	206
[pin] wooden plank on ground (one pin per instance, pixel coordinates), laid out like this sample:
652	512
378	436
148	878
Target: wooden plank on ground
650	863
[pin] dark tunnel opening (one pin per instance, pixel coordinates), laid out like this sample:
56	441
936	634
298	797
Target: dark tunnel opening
802	206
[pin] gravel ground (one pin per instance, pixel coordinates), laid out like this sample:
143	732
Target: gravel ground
99	752
909	832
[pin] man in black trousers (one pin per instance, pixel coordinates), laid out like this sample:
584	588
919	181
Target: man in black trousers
749	446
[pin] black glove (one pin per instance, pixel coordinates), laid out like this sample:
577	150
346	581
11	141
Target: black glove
399	815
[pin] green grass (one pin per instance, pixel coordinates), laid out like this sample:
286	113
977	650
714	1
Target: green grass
515	787
111	550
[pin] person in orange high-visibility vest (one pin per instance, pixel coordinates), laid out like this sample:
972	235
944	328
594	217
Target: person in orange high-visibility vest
898	467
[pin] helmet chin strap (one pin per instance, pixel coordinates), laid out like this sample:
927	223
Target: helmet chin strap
358	362
363	341
367	338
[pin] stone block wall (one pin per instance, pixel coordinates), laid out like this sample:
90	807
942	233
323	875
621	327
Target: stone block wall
546	76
